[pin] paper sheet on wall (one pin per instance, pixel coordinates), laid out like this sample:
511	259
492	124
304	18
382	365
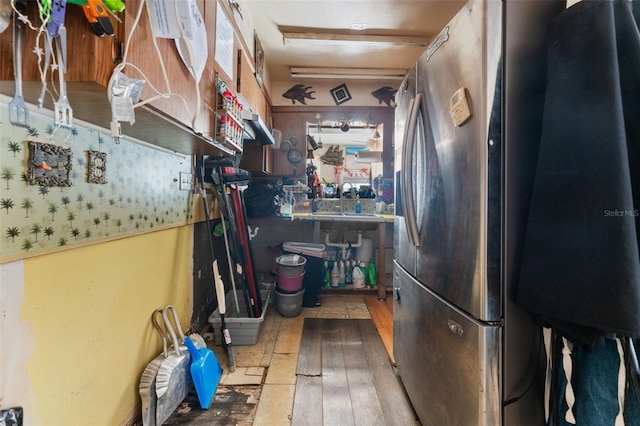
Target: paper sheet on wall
163	18
224	42
170	19
192	47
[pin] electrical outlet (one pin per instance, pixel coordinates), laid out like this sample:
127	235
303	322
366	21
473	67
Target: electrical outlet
185	181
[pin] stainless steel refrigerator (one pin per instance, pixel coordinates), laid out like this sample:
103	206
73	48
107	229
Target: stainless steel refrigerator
468	123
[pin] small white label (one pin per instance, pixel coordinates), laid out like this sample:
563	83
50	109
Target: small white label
163	18
122	109
459	107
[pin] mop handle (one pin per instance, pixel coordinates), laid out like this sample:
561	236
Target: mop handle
231	271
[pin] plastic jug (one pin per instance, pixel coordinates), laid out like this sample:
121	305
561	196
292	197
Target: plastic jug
358	278
365	274
372	274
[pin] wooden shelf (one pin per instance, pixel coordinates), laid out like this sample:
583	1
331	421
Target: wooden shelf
165	122
89	102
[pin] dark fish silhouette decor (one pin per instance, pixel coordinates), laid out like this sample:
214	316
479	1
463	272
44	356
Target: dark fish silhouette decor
385	94
298	93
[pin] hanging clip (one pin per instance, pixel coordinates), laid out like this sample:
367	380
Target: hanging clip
58	10
96	14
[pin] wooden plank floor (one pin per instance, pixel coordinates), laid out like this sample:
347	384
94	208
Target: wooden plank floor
251	396
233	405
382	316
344	377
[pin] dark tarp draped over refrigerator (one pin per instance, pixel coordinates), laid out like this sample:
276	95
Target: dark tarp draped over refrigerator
468	125
580	273
581	264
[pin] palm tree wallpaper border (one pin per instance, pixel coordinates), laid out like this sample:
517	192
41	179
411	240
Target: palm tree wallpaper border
140	190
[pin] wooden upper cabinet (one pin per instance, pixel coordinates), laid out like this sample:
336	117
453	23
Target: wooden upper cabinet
257	159
182	104
166	122
250	90
90	58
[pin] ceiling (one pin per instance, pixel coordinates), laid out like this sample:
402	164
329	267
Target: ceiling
417	18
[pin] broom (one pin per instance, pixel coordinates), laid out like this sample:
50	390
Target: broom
216	274
222	307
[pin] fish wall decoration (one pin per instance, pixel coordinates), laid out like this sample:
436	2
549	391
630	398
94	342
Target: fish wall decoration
386	94
298	93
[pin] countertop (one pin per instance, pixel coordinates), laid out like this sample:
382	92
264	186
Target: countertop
329	217
348	217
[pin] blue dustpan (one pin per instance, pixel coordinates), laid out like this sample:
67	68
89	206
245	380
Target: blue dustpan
205	371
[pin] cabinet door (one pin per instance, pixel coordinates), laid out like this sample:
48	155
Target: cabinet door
90	58
257	158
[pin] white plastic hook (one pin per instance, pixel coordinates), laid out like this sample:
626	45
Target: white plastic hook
253	233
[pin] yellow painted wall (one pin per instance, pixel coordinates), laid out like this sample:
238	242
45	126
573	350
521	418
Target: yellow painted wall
85	326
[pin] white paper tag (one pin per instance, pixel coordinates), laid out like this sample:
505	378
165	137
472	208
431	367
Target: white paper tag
122	109
192	46
163	18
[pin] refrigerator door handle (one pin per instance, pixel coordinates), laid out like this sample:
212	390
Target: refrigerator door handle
405	166
408	198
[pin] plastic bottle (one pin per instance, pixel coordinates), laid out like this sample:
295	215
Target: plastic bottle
326	282
363	269
228	104
222	126
342	275
358	207
335	275
372	274
358	278
228	128
348	272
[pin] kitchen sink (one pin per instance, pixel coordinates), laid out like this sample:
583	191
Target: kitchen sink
342	214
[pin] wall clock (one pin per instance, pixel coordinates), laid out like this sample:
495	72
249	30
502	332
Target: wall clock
294	156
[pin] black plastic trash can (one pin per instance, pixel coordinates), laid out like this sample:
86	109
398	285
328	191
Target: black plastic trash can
314	269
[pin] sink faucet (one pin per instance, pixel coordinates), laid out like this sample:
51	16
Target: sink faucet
352	191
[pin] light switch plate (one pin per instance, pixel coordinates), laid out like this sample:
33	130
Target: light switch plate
97	167
185	181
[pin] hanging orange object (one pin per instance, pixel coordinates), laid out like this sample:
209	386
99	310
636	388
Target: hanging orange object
96	14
